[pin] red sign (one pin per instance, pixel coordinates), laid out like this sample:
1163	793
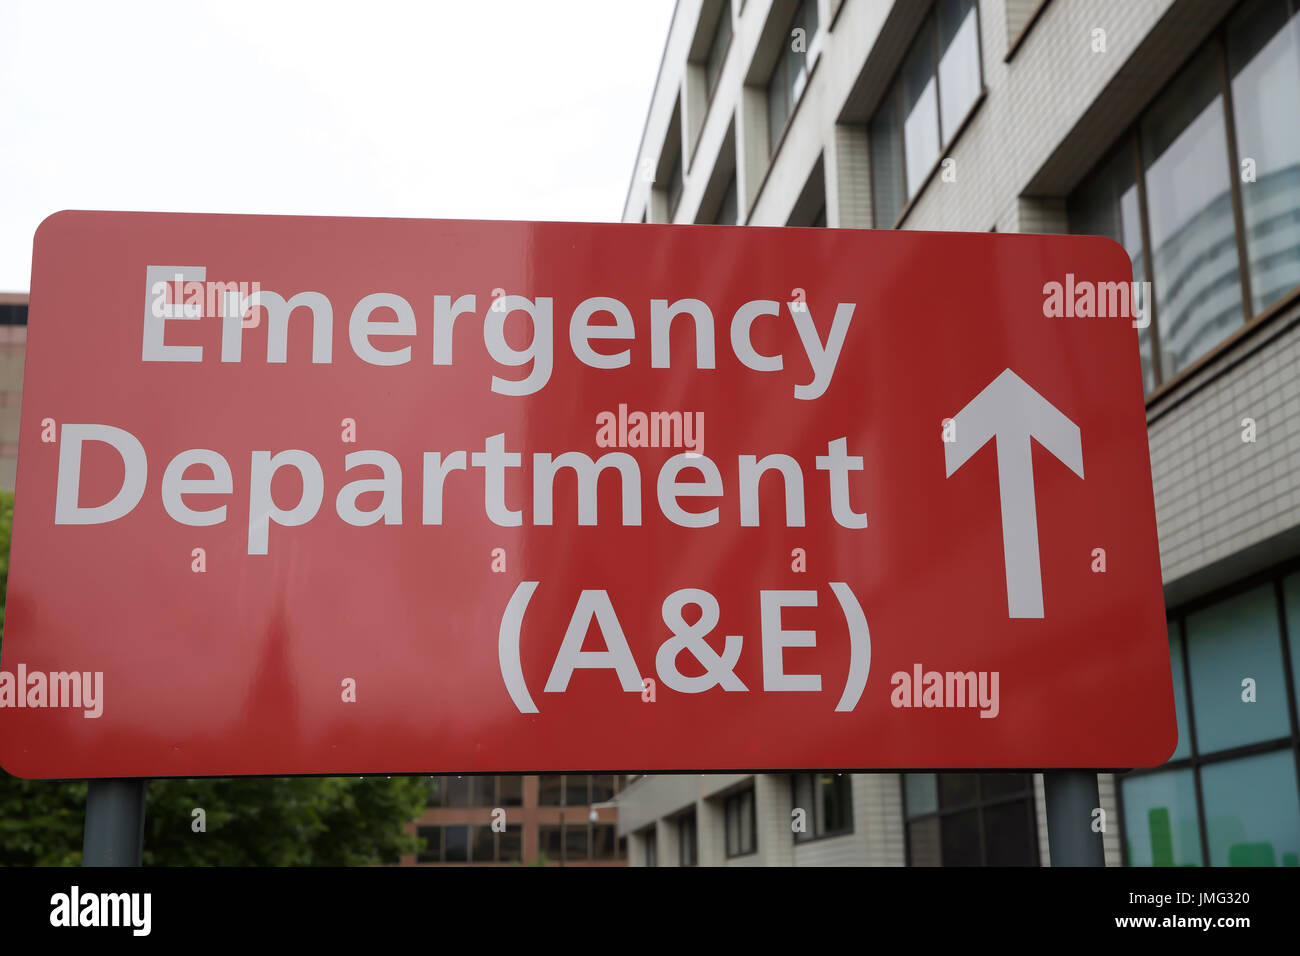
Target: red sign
356	496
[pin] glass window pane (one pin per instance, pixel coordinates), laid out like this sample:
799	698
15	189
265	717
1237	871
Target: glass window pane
483	845
923	843
484	791
778	97
996	786
1264	59
960	838
1189	209
549	791
432	852
835	811
728	211
457	791
920	793
718	48
435	797
957	789
512	844
510	790
959	62
651	848
1184	748
1009	837
1160	822
455	844
920	109
548	842
1252	810
1106	204
602	787
1227	643
575	842
1291	595
604	845
575	790
886	144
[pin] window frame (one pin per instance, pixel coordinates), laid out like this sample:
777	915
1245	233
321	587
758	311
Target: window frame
732	800
1218	39
979	804
894	89
1195	760
810	835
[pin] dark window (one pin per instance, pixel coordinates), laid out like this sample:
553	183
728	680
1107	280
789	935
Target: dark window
577	791
651	848
729	208
483	845
550	791
604	842
826	800
435	792
484	790
432	852
455	791
688	841
742	834
510	790
602	788
576	842
511	844
455	844
717	49
970	819
13	315
551	842
1228	795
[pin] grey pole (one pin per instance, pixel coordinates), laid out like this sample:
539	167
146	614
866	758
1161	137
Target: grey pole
114	823
1071	799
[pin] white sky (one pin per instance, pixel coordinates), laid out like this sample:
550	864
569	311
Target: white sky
477	109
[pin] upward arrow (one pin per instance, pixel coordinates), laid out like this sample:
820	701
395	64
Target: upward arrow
1011	412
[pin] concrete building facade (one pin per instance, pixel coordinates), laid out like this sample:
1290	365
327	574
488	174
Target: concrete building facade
1171	126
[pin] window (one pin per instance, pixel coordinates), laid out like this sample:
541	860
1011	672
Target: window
799	46
826	800
937	86
742	836
730	208
577	792
1220	144
688	841
510	844
602	787
435	792
717	49
550	841
651	848
550	791
455	844
432	852
970	819
1228	795
455	791
484	792
604	842
510	791
675	185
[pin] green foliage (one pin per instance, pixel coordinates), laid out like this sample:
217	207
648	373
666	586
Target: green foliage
250	821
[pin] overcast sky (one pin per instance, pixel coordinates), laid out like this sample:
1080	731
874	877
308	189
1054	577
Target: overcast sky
478	109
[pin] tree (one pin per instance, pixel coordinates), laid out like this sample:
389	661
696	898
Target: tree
247	821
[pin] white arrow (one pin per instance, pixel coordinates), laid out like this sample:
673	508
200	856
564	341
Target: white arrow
1009	410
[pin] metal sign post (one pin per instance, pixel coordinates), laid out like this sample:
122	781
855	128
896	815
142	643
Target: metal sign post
1072	798
114	823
